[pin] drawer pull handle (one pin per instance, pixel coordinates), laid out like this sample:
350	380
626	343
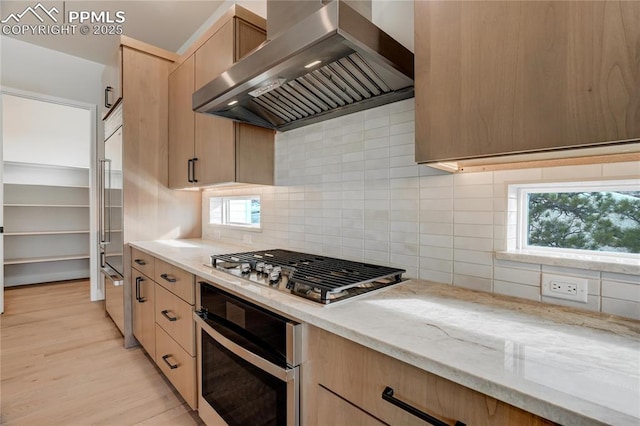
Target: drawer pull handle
166	277
140	262
165	314
165	358
139	298
387	395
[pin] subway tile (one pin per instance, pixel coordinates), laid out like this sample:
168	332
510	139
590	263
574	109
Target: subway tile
517	265
353	204
352	142
427	171
472	283
382	121
468	230
376	204
403	216
472	269
355	127
379	215
377	153
408	227
377	164
561	270
443	204
402	150
405	183
376	226
376	143
623	291
470	243
349	223
623	308
403	249
405	194
436	192
352	232
482	178
436	181
376	174
402	172
376	112
397	129
436	276
473	191
473	256
402	139
516	290
441	216
473	204
519	175
331	250
333	240
625	278
403	237
352	253
473	218
441	253
353	186
436	228
352	242
520	276
379	132
374	256
357	214
406	204
376	194
435	264
403	260
353	195
402	117
400	106
402	161
376	245
436	240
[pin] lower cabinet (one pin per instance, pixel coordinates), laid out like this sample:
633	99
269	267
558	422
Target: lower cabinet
351	381
163	320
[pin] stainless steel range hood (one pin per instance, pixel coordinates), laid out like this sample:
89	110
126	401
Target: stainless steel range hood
330	63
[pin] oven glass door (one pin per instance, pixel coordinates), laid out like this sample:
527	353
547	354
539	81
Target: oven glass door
240	392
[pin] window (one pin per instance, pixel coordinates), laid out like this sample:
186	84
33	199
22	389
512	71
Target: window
235	211
601	217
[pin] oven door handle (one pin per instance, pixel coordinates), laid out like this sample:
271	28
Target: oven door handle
286	375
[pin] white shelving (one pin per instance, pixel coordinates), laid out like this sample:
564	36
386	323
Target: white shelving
46	222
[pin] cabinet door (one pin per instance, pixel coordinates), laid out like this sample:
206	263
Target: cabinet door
214	137
181	124
143	300
506	77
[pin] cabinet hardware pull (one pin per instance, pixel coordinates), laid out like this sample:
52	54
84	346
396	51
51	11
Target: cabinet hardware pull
387	395
171	366
139	298
166	277
140	262
106	96
189	164
193	172
165	314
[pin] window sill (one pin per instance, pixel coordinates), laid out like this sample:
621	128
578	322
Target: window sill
571	260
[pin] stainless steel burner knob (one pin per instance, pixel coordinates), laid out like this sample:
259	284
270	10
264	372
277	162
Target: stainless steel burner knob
245	268
274	276
259	267
267	269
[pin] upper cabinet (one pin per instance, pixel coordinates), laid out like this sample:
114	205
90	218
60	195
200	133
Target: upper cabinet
206	150
496	78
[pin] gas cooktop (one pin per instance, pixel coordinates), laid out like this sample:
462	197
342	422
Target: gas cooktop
319	278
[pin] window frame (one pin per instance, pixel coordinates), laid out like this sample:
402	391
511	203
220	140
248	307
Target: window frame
518	199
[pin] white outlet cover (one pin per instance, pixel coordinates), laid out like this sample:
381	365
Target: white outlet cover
582	285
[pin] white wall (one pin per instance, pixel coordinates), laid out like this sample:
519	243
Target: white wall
45	133
349	188
36	69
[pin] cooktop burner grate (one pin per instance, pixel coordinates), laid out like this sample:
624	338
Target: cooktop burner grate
327	274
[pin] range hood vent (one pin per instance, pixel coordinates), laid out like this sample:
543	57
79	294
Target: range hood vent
331	63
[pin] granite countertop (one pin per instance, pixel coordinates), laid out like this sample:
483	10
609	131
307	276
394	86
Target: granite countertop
572	367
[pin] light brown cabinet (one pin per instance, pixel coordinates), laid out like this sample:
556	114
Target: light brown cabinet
163	300
350	374
143	311
496	78
206	150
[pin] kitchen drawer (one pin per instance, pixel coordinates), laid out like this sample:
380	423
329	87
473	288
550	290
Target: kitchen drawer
175	316
177	365
176	280
360	375
142	262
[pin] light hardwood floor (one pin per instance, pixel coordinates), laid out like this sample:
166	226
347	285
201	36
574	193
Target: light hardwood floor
62	362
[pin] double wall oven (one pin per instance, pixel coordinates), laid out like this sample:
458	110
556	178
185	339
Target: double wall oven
248	362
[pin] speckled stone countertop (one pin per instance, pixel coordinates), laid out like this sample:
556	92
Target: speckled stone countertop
572	367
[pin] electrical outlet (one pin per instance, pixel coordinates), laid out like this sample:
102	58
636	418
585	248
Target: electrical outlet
565	287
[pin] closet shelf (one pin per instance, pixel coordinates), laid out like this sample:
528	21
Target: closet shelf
44	259
84	231
49	205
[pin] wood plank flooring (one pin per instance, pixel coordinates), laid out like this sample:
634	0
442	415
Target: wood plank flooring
62	362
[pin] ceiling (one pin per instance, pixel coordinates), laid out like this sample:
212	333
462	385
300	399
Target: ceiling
166	24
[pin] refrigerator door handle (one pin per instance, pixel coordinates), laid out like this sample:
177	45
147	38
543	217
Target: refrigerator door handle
101	205
109	207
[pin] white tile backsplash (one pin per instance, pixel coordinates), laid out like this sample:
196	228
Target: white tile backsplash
348	187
